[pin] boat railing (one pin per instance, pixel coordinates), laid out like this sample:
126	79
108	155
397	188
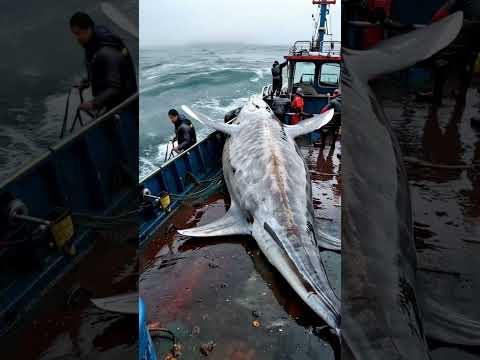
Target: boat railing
301	48
327	47
266	90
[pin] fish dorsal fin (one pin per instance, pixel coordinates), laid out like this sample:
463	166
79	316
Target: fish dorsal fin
403	51
232	223
309	125
207	121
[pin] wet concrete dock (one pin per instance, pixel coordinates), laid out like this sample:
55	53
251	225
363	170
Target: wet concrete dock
442	155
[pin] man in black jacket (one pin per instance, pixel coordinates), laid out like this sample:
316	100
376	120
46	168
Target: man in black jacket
184	131
110	68
277	77
333	128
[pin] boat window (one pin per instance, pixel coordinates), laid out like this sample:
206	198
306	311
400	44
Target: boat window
304	73
329	75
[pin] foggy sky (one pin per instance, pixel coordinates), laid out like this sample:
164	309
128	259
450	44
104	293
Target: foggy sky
167	22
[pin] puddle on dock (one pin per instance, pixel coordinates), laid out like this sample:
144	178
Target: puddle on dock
446	205
213	289
58	331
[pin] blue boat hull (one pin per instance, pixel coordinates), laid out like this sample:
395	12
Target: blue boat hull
201	161
93	172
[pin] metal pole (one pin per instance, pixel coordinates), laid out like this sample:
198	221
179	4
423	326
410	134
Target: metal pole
323	23
166	152
65	115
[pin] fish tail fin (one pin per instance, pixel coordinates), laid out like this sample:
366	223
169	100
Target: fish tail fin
403	51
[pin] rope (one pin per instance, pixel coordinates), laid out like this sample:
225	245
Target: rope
107	222
165	334
211	182
152	330
130	217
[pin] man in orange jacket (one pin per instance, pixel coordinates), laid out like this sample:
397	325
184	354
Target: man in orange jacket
297	106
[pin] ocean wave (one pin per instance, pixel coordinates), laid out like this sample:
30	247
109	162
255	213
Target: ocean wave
17	149
215	105
203	79
170	69
213	81
28	135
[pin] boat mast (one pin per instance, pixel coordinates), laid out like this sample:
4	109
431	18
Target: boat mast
323	10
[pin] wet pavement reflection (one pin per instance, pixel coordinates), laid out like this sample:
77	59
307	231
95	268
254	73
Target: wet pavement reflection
67	326
212	290
442	154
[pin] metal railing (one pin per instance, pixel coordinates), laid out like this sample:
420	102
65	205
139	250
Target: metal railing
330	47
267	90
301	48
327	47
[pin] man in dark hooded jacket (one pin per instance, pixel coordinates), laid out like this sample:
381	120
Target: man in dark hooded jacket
184	131
110	68
277	76
333	128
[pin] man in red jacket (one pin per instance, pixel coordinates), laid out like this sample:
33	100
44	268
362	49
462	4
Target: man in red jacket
298	105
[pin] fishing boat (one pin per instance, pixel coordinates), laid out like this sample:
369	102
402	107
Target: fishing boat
49	207
313	65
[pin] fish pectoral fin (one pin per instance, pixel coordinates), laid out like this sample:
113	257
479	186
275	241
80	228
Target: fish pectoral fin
328	242
309	125
233	223
207	121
